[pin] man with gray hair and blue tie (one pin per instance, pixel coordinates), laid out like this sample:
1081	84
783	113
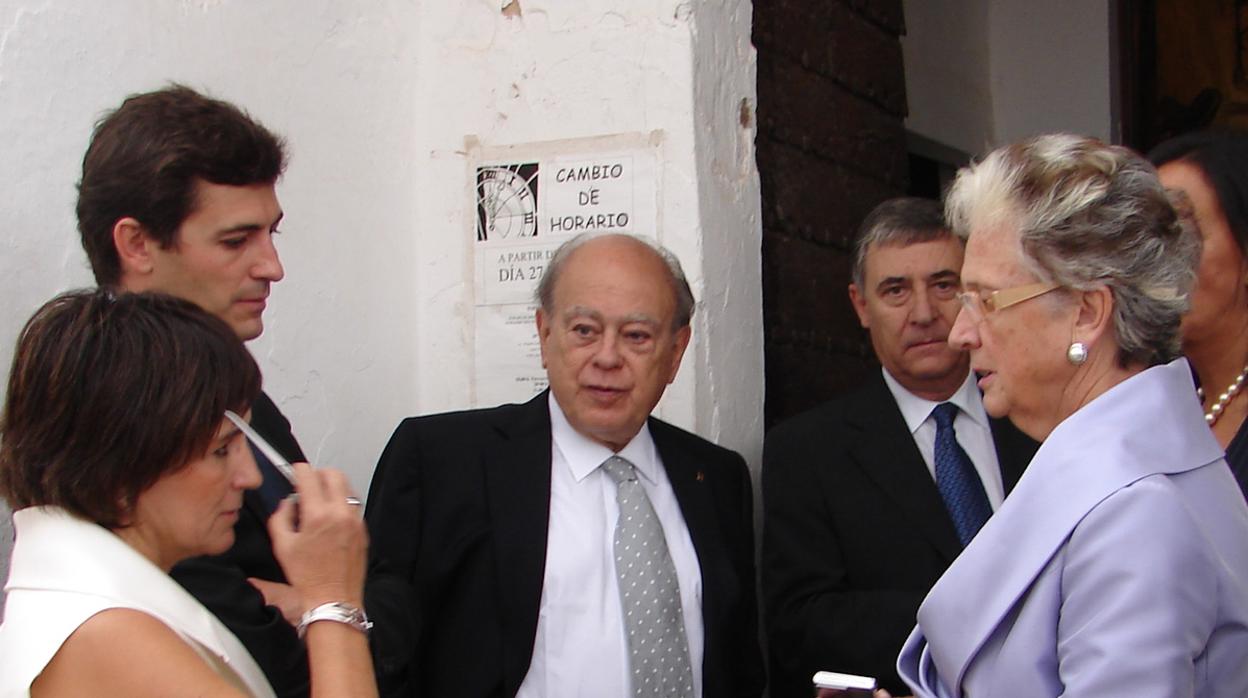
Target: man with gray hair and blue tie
574	545
869	497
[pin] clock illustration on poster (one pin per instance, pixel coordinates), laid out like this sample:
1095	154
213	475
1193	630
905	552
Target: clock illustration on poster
507	201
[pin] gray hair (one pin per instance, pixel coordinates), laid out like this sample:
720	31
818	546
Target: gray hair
902	221
1089	215
676	275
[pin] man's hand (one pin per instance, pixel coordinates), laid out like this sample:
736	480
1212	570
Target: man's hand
283	596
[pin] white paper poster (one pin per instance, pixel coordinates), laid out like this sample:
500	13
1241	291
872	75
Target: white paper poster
527	200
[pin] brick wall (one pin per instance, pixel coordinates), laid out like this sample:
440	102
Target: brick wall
831	145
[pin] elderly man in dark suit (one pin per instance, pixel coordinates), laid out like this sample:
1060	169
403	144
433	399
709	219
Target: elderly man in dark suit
528	537
868	498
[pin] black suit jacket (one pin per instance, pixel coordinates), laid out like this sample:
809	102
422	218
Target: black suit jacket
457	512
220	581
855	533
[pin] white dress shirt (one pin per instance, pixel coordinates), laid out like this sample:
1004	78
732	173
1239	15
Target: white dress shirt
973	431
580	648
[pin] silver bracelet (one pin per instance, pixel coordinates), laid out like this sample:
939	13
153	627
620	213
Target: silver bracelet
337	611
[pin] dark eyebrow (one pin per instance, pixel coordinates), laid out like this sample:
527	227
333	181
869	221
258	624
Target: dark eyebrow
944	275
893	281
250	227
230	432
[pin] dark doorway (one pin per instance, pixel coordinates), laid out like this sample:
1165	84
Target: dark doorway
1183	67
831	145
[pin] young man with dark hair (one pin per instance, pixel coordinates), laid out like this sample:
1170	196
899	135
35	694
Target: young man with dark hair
178	196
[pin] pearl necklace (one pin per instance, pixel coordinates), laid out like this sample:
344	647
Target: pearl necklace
1211	417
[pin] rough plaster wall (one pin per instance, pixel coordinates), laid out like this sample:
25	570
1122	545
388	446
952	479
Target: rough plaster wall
729	361
336	80
549	70
980	74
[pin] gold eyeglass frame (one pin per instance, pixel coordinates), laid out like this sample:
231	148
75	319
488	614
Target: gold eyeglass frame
1004	298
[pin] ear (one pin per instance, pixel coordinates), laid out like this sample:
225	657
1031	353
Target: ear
134	248
682	343
543	333
859	301
1094	317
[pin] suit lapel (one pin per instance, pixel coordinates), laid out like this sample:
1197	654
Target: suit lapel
692	486
518	490
696	506
887	454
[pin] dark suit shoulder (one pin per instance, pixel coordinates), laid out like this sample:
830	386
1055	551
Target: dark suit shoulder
269	421
453	425
697	446
851	407
440	489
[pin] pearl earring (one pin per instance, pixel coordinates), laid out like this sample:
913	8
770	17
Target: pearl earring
1077	353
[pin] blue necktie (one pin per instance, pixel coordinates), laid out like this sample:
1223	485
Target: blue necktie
956	478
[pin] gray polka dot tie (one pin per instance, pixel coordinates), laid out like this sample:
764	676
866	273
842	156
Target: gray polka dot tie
649	592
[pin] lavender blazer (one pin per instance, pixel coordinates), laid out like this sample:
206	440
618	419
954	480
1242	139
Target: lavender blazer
1117	566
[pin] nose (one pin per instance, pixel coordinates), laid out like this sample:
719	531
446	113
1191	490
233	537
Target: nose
964	335
922	312
266	265
608	354
247	476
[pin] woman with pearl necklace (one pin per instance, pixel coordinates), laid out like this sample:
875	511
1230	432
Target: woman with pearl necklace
1211	169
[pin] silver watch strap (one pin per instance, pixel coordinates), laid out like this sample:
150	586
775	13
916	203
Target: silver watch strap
338	612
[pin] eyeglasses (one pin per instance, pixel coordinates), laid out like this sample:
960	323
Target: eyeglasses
979	306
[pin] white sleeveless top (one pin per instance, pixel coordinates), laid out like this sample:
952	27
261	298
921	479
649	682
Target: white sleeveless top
64	570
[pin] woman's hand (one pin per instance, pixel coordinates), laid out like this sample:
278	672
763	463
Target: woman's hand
321	542
323	548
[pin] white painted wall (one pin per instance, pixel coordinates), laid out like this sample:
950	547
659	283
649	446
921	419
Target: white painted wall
338	83
578	69
370	324
729	392
981	73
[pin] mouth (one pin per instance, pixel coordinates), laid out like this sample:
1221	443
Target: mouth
251	308
604	393
984	376
258	297
927	343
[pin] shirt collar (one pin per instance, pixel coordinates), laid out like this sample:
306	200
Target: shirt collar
915	410
583	455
